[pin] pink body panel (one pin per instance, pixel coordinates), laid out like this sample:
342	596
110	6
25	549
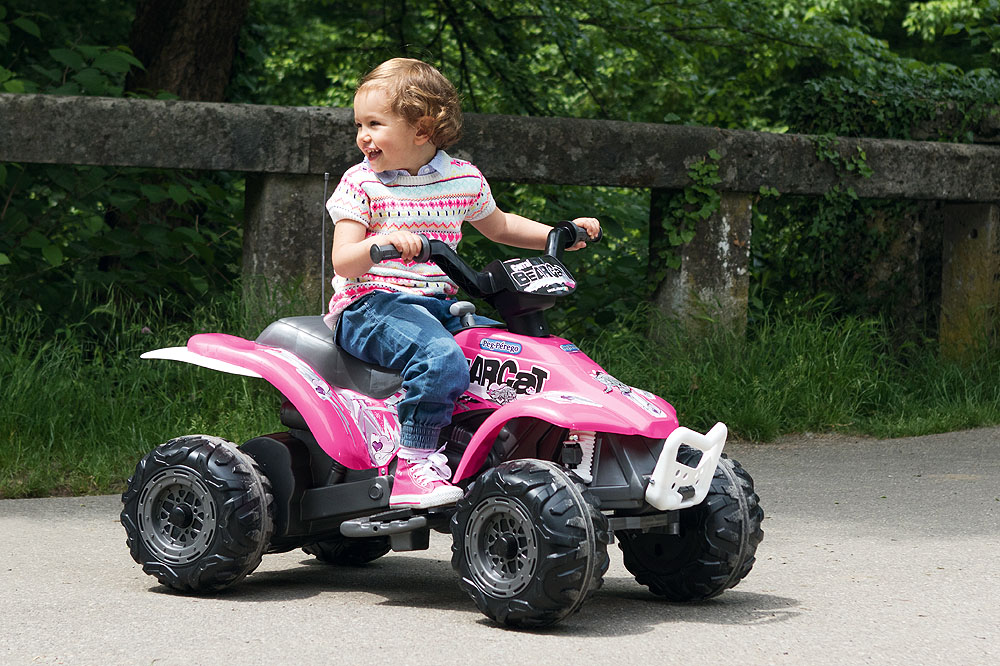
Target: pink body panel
550	379
514	375
328	412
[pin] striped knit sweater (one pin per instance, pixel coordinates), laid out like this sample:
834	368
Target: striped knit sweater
435	204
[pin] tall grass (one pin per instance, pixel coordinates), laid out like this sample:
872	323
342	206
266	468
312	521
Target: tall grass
78	407
804	372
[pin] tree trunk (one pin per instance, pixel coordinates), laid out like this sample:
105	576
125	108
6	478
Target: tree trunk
187	46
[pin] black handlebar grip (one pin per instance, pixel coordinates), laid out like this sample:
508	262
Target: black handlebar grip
379	253
578	233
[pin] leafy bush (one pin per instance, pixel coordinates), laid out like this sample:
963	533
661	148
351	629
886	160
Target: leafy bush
73	230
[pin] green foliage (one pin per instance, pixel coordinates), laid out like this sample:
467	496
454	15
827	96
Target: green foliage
72	230
79	407
978	20
838	249
693	205
616	265
894	100
675	216
45	55
808	371
705	62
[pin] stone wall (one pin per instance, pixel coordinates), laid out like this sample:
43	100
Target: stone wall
286	150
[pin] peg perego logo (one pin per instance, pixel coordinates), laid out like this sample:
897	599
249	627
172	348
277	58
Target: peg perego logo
502	346
490	372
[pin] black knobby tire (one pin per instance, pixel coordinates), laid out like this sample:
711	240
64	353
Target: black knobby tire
716	546
349	552
529	543
197	513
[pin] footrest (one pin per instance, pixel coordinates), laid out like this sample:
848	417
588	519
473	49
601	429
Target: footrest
388	523
384	524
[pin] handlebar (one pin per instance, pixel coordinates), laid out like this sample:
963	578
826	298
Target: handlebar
564	235
480	284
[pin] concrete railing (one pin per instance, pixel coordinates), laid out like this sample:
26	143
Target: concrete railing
286	150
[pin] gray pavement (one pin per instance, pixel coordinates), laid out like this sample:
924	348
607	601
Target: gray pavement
875	552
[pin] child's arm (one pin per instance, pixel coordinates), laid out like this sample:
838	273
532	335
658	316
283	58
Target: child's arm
512	229
350	248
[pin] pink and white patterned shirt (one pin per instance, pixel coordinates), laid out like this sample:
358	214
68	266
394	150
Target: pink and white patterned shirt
435	202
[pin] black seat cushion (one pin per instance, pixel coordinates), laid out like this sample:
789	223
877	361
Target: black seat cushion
311	339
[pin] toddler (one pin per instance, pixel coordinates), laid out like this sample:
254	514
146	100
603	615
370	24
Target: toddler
395	314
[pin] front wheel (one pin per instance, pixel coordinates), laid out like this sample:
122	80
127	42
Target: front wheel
197	513
715	548
529	543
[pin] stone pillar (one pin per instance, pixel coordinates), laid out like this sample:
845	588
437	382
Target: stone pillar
282	247
970	277
713	282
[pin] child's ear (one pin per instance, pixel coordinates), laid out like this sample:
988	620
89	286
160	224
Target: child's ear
424	128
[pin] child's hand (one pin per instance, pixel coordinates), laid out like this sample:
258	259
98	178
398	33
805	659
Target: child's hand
407	242
593	227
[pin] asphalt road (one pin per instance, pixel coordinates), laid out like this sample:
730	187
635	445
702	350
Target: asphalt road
875	552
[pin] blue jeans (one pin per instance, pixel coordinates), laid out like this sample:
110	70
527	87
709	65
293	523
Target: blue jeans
413	335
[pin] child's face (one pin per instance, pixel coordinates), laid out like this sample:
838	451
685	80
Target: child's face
388	140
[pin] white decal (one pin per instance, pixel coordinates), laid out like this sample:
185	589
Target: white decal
318	384
643	399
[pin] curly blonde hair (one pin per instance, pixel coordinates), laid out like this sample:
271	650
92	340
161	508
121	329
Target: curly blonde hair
422	95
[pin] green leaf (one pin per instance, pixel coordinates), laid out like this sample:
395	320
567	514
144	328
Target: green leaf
69	58
92	80
90	52
69	88
4	259
200	283
28	26
52	74
179	194
122	201
52	254
154	193
114	61
14	86
34	239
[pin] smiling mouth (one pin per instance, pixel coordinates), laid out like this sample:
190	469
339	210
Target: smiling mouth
372	154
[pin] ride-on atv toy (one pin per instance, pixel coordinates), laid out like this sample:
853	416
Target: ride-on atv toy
557	459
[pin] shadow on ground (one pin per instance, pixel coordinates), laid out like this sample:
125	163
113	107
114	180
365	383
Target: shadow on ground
620	607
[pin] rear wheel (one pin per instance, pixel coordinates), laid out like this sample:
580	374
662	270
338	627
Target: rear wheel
529	543
197	513
715	548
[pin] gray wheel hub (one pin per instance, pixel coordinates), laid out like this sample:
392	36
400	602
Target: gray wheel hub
500	546
177	516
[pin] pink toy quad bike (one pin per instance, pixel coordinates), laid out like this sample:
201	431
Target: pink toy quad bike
557	459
